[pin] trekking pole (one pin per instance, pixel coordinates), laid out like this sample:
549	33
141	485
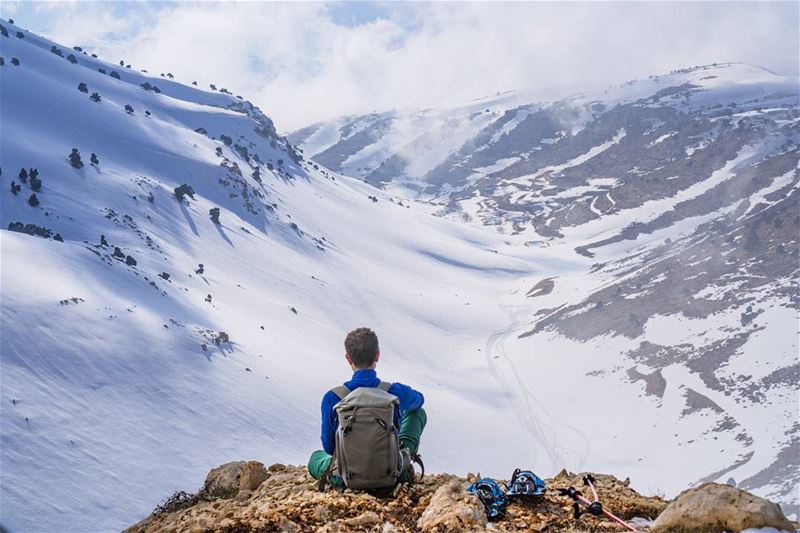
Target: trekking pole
589	480
594	508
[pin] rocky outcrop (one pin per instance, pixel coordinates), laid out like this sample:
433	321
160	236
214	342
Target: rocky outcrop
715	508
287	500
453	509
230	479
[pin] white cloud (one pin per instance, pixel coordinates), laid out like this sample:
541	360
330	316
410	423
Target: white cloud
299	66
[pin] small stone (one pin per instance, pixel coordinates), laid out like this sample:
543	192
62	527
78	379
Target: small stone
367	519
287	526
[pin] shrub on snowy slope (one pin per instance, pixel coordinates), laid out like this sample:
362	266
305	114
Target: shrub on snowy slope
182	191
75	158
35	182
214	213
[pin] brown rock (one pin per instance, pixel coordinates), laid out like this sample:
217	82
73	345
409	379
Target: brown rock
287	526
228	480
714	508
453	509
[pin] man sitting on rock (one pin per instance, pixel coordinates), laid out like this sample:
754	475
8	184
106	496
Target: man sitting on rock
374	414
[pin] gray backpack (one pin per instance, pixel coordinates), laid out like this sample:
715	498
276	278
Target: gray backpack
367	454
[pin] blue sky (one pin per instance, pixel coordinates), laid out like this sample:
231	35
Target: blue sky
308	61
42	16
353	14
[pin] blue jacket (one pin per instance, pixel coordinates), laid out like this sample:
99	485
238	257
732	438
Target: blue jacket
410	400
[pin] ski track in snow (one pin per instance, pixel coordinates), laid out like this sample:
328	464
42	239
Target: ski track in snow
530	410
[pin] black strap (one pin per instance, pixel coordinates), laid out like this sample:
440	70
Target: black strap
571	492
417	459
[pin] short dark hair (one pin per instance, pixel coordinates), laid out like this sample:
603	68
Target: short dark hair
361	346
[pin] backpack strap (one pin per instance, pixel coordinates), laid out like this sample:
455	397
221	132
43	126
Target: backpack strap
384	386
341	391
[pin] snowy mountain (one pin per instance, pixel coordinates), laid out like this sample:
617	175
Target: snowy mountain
404	147
437	151
182	301
682	191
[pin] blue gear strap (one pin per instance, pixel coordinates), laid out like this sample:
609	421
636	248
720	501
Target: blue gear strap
491	495
526	483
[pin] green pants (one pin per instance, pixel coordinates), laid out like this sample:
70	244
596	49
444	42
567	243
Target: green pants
411	425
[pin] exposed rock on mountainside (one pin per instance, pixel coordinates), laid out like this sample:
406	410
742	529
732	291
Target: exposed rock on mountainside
452	508
230	479
288	501
715	508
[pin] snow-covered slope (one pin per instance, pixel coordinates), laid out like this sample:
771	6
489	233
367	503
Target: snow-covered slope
125	373
117	385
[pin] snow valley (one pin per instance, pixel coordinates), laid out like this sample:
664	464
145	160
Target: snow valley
606	282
